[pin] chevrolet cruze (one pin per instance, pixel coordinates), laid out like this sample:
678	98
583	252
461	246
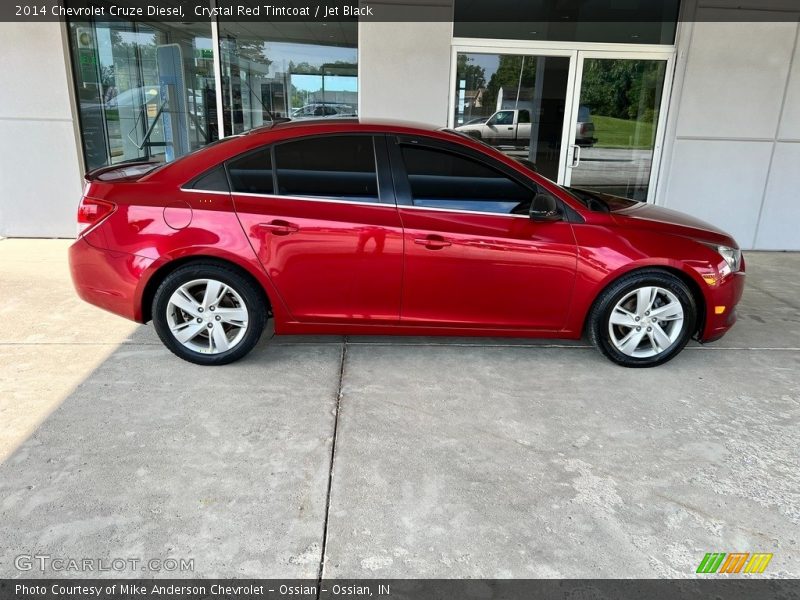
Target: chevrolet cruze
355	228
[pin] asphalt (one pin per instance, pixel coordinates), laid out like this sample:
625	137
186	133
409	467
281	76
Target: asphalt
406	457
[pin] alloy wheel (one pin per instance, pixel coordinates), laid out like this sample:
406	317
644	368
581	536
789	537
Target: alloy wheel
646	322
207	316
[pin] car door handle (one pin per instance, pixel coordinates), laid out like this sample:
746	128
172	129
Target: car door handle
433	242
278	227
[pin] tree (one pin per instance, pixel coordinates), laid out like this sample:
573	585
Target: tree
513	73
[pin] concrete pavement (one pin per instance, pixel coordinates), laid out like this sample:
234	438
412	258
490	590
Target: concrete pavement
452	458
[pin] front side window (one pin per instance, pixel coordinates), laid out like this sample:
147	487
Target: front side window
328	167
504	117
441	179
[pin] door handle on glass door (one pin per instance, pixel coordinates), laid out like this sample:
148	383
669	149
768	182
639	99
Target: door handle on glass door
576	156
278	227
433	242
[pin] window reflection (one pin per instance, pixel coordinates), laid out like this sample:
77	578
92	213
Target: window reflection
514	102
287	70
145	91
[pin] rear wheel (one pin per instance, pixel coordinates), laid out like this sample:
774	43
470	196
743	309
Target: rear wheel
209	314
644	319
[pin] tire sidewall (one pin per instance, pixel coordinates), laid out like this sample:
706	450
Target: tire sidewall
253	302
609	299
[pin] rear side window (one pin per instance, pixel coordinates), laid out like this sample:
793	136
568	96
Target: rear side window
441	179
328	167
214	180
252	173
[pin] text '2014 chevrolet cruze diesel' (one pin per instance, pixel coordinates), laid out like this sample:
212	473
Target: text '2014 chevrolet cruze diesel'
357	228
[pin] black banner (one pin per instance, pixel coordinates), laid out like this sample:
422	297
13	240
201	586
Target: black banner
399	589
460	11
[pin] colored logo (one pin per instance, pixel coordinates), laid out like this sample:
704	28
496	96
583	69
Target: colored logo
734	562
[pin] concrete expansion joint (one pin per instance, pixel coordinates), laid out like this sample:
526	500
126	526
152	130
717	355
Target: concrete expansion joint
337	411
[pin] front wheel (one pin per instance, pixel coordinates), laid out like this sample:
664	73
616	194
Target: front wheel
209	314
644	319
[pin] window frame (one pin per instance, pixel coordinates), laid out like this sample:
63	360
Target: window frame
405	198
383	175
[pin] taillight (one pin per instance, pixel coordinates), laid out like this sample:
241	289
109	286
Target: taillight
92	212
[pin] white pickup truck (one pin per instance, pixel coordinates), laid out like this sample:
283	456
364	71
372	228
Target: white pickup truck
513	128
505	127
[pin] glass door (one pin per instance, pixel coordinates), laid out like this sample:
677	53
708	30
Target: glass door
617	122
516	101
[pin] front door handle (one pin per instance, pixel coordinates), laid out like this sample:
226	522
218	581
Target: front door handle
278	227
433	242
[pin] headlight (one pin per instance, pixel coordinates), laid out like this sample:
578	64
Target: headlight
732	258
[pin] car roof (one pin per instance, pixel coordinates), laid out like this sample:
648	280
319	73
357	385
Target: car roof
357	123
194	163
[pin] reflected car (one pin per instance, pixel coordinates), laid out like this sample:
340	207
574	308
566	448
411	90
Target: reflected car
358	228
584	128
322	110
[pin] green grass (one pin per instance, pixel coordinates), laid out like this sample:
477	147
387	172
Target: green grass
620	133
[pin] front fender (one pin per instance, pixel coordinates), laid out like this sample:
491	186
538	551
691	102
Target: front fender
604	256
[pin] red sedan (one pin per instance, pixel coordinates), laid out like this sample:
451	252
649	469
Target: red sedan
357	228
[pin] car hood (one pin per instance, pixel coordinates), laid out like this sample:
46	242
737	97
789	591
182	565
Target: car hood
642	215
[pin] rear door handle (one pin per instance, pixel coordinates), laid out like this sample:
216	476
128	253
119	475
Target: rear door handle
278	227
433	242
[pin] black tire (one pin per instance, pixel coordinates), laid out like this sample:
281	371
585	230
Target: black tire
600	315
253	299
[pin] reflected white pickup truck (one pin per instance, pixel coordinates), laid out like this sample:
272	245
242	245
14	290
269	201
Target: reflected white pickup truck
505	127
513	128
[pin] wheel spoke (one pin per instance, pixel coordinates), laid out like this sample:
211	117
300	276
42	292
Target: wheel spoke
623	317
214	292
644	299
660	338
220	339
185	302
668	312
187	331
630	342
234	316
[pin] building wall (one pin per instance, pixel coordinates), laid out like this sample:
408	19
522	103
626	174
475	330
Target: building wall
40	172
404	68
733	141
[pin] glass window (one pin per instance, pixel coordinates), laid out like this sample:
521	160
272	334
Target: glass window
499	85
504	117
615	21
331	167
620	105
302	70
252	173
214	180
145	90
441	179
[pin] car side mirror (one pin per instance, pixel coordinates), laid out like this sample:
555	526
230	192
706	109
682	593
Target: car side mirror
545	208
